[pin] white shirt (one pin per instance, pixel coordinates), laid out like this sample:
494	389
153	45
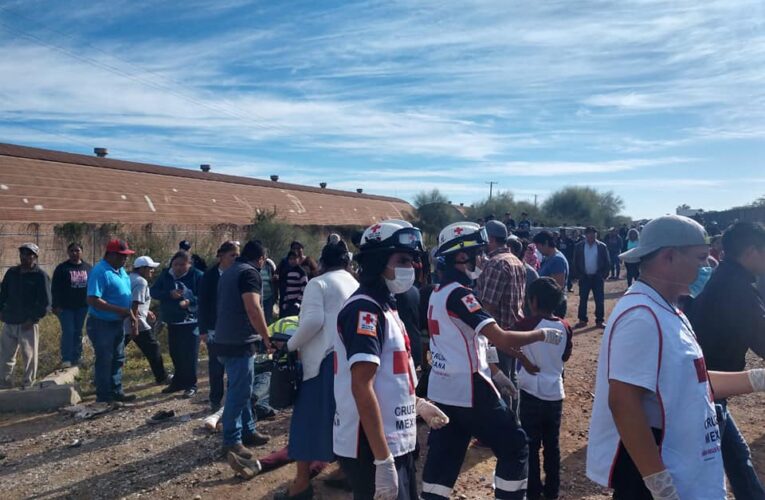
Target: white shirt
547	384
651	345
323	298
591	258
139	288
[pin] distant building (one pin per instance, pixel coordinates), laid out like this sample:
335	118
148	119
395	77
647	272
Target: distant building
687	211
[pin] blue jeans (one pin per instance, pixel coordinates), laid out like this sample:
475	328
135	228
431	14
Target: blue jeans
491	421
108	341
541	421
737	459
237	412
183	343
594	283
261	387
72	321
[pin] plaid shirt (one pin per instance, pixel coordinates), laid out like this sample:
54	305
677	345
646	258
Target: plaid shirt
502	286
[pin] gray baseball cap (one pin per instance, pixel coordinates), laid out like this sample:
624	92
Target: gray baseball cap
31	247
666	231
496	229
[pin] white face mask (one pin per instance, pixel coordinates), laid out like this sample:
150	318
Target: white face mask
474	274
402	282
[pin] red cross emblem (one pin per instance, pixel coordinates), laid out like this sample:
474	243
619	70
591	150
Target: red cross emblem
471	304
367	324
375	228
469	299
458	231
368	319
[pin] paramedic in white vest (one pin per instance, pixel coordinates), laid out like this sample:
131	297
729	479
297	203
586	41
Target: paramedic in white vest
654	432
375	431
460	380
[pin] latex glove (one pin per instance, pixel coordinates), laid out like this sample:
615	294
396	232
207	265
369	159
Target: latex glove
661	486
386	479
504	384
552	336
757	379
431	414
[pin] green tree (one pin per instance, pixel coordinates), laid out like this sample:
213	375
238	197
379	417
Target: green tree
434	212
584	206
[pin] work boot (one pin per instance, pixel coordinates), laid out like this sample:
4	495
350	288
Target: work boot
255	439
237	449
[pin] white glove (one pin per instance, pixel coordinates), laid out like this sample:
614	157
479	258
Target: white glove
431	414
552	336
386	479
661	486
505	384
757	379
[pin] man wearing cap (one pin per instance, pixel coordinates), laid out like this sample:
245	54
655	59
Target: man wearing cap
140	330
24	300
591	267
728	317
654	432
109	304
501	287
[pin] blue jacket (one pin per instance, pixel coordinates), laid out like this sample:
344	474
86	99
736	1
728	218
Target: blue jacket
168	306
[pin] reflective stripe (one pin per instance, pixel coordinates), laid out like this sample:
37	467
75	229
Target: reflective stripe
436	489
505	485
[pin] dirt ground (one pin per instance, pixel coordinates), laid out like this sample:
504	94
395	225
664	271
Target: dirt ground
119	456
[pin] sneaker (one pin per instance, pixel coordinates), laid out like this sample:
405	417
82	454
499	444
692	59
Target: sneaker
580	324
245	467
600	324
237	449
255	439
284	494
66	364
124	398
189	393
160	416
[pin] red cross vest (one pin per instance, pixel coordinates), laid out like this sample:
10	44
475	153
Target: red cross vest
457	352
394	386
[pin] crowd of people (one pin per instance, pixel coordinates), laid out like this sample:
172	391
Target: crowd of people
469	337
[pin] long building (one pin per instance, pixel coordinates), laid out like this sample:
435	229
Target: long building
51	187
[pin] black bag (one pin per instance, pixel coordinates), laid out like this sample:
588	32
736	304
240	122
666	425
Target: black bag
286	376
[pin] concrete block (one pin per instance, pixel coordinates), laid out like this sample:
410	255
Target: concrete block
54	391
38	399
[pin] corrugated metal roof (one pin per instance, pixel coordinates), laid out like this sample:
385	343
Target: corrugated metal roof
39	185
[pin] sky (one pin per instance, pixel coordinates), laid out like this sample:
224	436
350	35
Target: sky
661	102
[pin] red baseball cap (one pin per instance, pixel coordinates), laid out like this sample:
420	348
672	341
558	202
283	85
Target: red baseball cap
119	246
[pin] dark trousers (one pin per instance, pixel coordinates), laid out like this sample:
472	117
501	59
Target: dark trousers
361	474
215	372
541	422
72	321
492	422
596	284
737	458
633	272
183	341
509	366
626	479
616	264
108	341
149	346
281	458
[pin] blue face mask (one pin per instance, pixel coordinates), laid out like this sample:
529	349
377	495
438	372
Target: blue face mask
701	280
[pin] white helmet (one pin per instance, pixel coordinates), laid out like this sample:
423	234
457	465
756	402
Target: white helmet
396	235
461	236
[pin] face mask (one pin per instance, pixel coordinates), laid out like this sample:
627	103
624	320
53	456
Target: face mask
402	282
474	274
701	280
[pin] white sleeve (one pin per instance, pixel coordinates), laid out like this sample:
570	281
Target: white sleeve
138	291
633	356
311	315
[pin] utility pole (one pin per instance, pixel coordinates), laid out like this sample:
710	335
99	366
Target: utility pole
535	201
491	186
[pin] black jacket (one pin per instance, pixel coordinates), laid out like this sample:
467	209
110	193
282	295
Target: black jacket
207	298
728	318
24	296
604	261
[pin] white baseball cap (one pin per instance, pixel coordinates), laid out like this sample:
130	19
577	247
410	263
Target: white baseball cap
666	231
144	261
